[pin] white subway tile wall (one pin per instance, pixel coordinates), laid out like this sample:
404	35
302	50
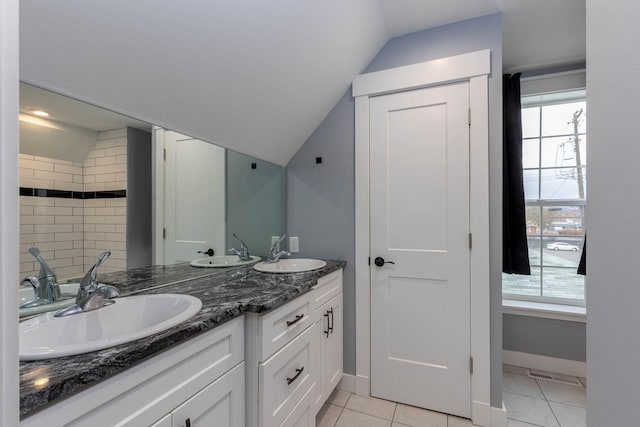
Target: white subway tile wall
71	233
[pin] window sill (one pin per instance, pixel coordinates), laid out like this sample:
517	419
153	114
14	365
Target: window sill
545	310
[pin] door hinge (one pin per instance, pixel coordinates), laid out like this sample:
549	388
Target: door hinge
471	365
164	154
470	240
164	233
369	261
469	116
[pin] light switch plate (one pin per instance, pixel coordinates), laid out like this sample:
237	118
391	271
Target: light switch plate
294	245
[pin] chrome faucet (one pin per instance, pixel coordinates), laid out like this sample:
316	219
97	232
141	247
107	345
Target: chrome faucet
91	295
47	278
44	293
243	253
273	255
45	286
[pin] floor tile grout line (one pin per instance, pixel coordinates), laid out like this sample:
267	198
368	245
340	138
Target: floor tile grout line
573	405
554	414
526	422
338	419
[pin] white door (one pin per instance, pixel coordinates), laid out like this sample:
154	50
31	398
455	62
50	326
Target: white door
194	198
420	306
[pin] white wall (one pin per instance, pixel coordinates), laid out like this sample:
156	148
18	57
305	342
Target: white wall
613	280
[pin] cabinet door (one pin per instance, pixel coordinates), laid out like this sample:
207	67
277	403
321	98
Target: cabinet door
220	404
333	349
330	330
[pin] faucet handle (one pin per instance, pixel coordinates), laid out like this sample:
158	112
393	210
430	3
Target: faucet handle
276	243
89	282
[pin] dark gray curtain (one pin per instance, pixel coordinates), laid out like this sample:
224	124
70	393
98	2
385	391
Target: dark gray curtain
515	253
582	267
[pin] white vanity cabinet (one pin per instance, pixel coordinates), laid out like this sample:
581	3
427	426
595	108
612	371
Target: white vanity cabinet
197	383
291	365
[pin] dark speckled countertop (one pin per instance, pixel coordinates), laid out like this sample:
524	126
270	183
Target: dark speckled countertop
225	293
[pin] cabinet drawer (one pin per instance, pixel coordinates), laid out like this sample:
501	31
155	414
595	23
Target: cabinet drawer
328	286
219	404
280	326
302	415
287	377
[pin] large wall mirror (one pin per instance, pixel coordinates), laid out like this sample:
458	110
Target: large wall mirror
92	180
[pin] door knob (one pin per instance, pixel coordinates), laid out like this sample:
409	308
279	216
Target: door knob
207	252
379	261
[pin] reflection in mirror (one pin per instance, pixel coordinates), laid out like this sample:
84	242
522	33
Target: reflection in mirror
254	202
74	182
86	185
210	194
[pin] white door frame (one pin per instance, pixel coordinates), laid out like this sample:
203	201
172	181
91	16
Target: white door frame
9	220
475	68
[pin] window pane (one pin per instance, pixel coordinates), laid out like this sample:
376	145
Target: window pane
562	283
562	183
530	153
535	251
563	152
531	184
559	119
533	221
530	122
522	285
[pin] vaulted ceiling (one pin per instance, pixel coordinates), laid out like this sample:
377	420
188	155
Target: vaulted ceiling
256	76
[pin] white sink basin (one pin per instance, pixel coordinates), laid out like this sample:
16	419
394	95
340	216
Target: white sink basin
290	265
68	291
129	319
223	261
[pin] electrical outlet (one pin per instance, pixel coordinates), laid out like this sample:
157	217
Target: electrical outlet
293	245
274	239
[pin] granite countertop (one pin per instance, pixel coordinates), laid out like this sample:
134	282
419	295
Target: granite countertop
225	293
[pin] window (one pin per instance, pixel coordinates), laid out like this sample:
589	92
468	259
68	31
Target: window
554	172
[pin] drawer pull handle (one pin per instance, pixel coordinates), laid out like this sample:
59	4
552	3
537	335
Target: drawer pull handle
298	372
299	317
331	312
328	329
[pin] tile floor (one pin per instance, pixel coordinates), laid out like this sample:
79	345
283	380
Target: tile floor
534	402
530	403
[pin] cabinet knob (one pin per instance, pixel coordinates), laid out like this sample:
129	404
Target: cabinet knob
187	422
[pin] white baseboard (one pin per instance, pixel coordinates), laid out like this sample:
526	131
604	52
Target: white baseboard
545	363
481	414
347	383
499	416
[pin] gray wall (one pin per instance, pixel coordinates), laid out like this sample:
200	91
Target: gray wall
254	202
613	298
320	198
139	244
546	337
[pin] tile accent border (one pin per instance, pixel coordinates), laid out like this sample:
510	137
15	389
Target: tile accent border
64	194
